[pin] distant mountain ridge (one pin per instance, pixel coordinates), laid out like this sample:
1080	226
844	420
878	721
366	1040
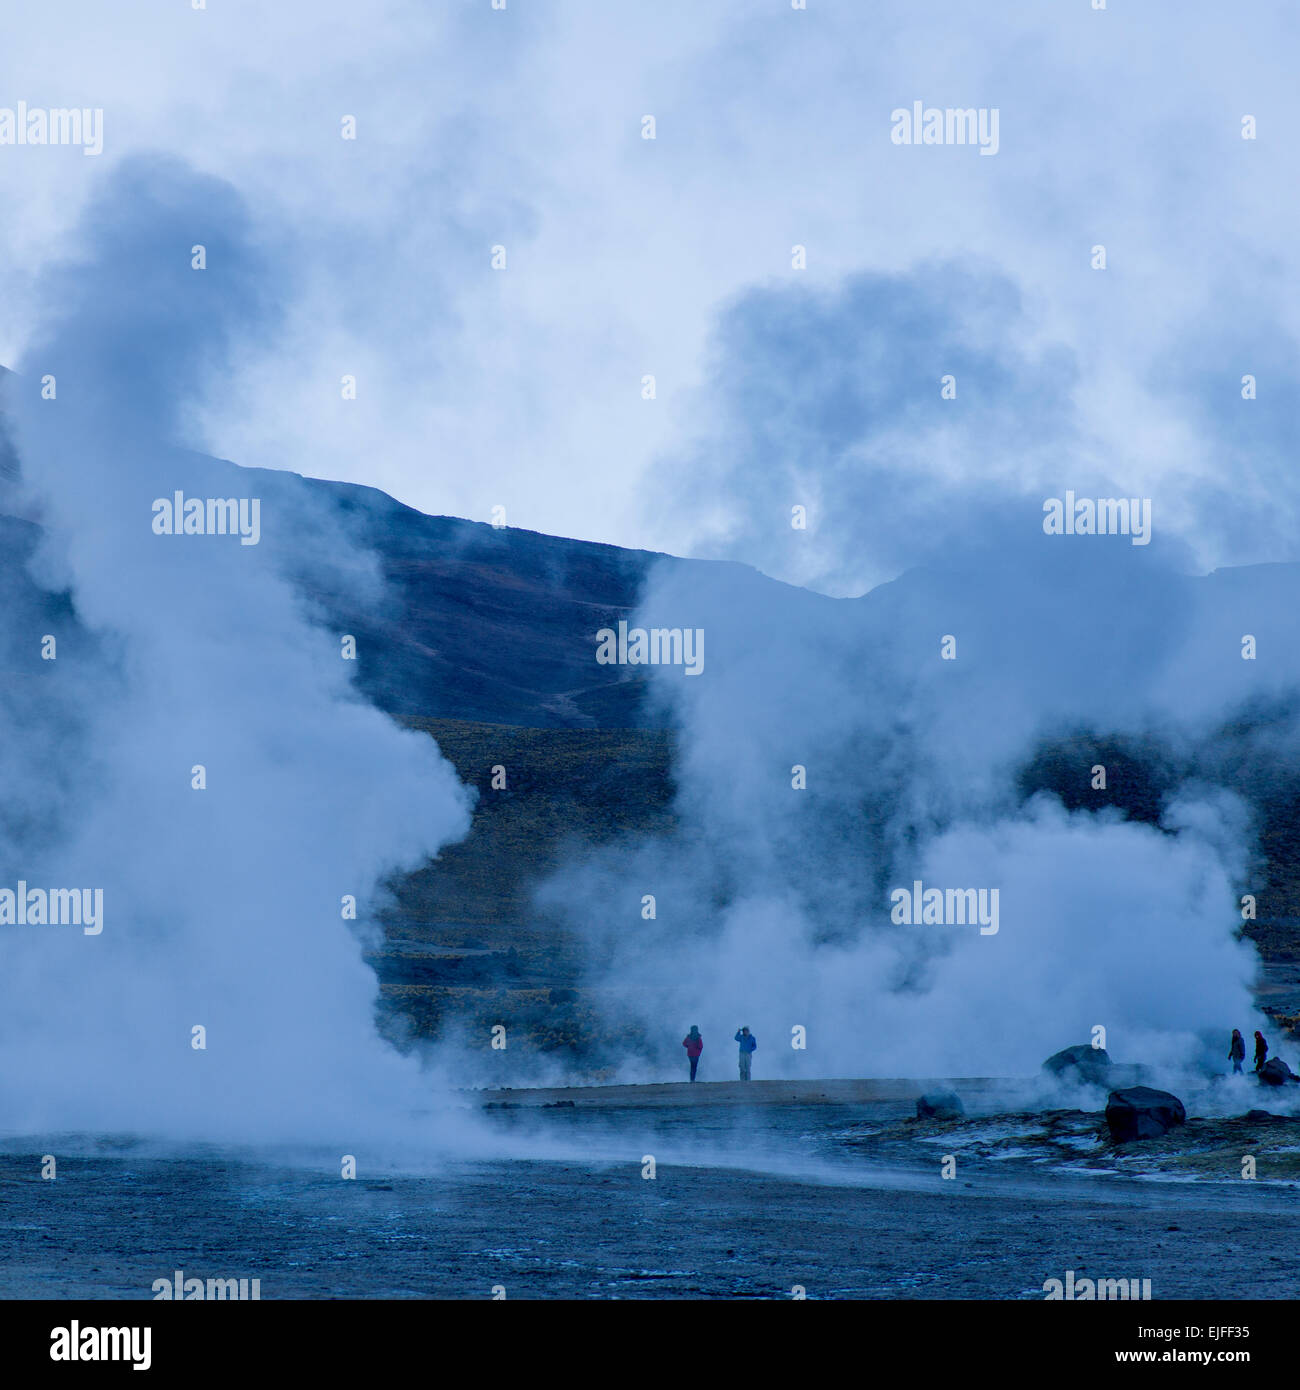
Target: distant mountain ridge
481	636
494	625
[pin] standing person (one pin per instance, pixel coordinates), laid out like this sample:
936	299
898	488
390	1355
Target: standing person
694	1045
1237	1050
1261	1049
748	1042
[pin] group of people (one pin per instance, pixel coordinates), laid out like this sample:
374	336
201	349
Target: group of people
693	1042
1237	1050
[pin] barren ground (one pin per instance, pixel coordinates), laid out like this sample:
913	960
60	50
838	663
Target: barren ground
842	1195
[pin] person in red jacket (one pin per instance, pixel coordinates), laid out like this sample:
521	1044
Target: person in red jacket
694	1045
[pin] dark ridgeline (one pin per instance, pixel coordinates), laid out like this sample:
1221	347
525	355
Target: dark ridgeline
486	639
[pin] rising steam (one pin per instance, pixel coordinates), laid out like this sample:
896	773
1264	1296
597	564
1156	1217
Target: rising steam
223	907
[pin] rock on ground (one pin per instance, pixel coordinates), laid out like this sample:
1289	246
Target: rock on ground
1083	1061
940	1105
1141	1112
1275	1072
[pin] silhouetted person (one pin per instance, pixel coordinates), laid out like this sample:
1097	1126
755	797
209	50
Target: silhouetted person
694	1045
1261	1049
1237	1050
747	1043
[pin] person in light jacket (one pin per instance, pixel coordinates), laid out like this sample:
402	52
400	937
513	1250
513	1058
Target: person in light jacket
747	1043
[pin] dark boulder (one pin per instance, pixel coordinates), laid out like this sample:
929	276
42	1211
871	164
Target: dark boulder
1082	1062
1275	1072
940	1105
1142	1113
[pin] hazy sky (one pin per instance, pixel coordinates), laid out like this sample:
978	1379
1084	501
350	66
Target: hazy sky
522	127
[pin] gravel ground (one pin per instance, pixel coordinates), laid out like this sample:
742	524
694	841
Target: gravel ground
844	1204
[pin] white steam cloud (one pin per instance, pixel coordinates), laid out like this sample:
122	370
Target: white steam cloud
772	901
222	906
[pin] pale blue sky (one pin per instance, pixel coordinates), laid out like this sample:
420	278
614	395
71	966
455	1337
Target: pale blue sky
522	387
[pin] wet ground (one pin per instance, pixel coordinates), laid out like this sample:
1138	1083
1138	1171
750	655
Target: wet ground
845	1201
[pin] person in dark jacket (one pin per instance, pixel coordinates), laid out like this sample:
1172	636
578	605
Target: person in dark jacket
694	1045
1261	1049
1237	1050
747	1043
